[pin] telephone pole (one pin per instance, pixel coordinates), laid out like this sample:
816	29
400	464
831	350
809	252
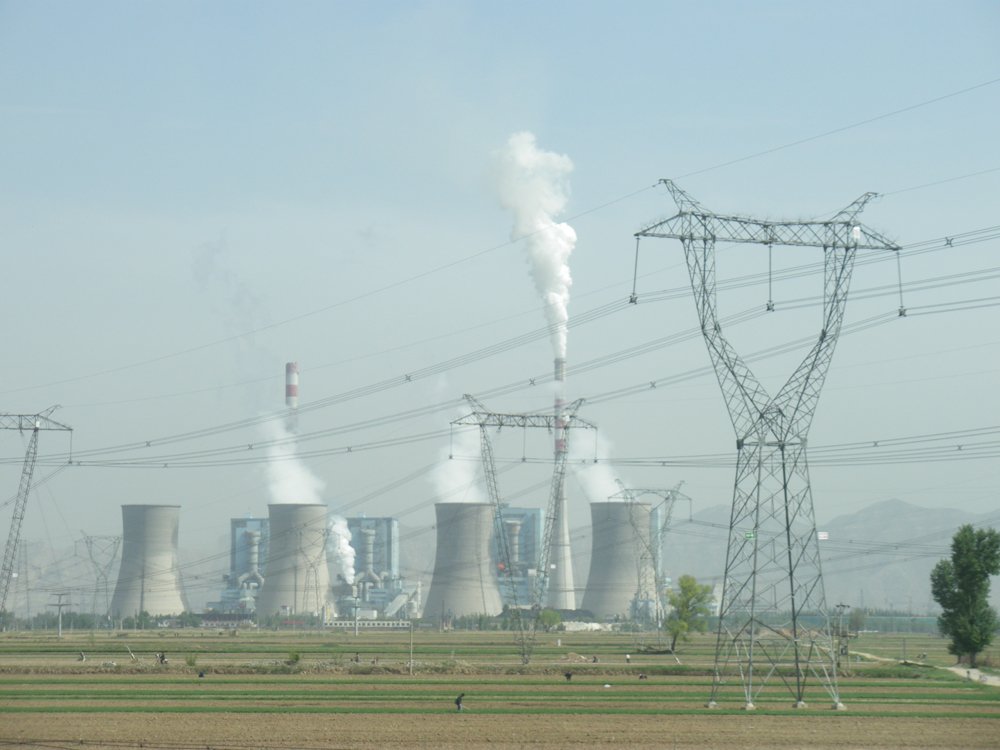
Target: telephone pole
60	605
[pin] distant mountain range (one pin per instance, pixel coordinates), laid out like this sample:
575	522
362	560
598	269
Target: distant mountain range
880	556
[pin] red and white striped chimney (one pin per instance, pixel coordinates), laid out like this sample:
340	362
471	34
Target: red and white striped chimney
292	395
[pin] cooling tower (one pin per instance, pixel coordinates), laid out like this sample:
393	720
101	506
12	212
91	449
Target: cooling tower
465	577
561	593
149	579
297	575
620	534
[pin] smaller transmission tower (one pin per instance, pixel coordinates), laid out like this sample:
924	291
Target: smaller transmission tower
773	576
102	552
312	548
648	551
562	421
32	423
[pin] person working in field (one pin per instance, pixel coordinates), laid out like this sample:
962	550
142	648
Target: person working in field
458	702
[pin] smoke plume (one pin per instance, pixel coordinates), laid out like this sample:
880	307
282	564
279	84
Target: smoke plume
454	479
598	480
288	478
339	552
533	186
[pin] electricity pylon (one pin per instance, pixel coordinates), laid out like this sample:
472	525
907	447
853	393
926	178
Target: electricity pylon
22	422
524	633
102	551
773	576
648	546
313	539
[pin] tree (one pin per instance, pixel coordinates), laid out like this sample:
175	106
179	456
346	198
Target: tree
961	586
549	619
690	609
857	620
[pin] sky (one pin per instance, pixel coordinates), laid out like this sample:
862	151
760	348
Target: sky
195	194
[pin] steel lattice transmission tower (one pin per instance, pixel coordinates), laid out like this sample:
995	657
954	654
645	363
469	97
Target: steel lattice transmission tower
561	423
648	549
102	552
773	577
32	423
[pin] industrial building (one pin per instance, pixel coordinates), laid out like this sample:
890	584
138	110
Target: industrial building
149	578
248	550
524	539
464	580
378	589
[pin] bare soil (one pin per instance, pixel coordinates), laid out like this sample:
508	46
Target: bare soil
468	731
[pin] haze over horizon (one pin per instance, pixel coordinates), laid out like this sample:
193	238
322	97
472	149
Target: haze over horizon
196	194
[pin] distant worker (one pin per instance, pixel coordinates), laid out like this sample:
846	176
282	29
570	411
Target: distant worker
595	660
458	702
642	676
568	676
628	658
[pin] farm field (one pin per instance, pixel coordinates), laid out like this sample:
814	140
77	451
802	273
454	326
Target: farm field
302	690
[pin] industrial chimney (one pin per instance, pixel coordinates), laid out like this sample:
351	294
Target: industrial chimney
620	537
369	579
297	575
292	395
561	593
149	579
465	579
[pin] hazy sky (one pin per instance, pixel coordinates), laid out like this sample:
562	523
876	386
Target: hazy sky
195	193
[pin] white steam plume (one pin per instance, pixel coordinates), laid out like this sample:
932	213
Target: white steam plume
598	480
533	186
288	479
339	552
454	479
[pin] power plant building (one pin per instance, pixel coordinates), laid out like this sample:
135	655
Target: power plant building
464	580
149	578
386	542
248	552
524	540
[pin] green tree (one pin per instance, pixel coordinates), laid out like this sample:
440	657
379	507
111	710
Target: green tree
690	608
550	619
857	620
961	586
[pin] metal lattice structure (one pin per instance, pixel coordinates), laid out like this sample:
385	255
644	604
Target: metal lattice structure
524	631
773	620
102	552
648	549
33	423
312	549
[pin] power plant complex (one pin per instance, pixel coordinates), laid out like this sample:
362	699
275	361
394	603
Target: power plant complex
301	560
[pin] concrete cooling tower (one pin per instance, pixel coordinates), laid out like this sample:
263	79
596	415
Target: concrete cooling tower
465	572
149	579
297	576
620	534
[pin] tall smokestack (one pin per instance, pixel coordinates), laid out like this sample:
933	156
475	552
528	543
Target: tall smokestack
292	395
561	592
